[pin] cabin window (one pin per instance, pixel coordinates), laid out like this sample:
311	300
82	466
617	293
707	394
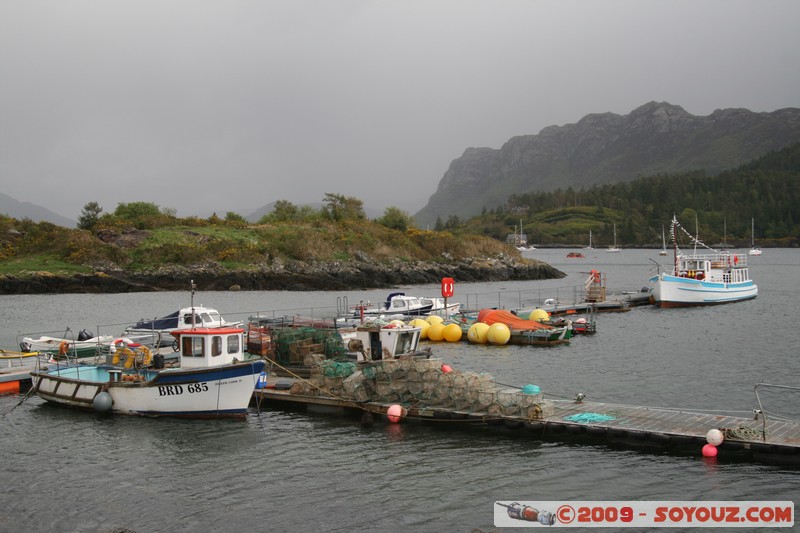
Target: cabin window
192	346
216	346
187	319
207	318
403	343
233	343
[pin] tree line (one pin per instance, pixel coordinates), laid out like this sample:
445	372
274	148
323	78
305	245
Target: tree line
766	191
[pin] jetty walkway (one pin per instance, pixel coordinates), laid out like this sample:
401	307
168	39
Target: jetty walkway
617	425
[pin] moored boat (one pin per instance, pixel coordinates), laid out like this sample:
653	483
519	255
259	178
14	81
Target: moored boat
663	242
211	381
159	330
754	250
402	305
84	346
527	332
702	279
293	351
614	249
15	367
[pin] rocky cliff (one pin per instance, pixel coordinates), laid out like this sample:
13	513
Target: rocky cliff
656	138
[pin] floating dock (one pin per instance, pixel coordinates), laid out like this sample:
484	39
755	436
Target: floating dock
617	425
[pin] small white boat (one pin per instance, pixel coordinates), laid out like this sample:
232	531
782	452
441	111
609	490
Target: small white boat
703	279
398	303
663	243
614	248
292	348
159	330
754	250
84	346
211	381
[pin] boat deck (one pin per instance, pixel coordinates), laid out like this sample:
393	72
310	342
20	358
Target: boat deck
629	426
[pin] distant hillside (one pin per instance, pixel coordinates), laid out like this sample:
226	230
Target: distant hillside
656	138
22	210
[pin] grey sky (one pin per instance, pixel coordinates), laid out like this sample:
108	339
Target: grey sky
229	105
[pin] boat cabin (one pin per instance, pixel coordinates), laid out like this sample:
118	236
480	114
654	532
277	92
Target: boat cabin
197	316
719	268
385	342
399	303
210	347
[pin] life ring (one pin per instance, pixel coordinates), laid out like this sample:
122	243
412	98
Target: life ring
123	342
63	347
699	276
595	276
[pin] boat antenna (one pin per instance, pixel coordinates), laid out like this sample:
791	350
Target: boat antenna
191	300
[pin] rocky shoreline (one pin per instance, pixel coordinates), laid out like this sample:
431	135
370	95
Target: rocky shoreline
292	276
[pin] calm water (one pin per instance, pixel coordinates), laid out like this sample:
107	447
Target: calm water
291	471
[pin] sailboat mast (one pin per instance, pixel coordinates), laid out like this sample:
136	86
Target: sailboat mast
674	243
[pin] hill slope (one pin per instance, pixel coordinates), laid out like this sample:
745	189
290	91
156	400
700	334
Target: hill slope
20	210
656	138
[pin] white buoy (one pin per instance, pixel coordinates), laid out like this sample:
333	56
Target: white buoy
714	437
102	402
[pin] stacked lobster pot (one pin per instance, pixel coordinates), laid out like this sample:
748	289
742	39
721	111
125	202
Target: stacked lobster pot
421	381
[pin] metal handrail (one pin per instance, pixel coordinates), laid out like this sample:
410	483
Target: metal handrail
761	407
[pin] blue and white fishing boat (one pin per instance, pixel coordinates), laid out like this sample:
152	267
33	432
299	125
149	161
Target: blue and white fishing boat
212	379
702	279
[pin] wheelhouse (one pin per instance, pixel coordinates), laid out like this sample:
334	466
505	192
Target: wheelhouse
210	347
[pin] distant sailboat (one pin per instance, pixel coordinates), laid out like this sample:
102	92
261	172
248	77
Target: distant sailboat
754	250
614	248
590	242
663	243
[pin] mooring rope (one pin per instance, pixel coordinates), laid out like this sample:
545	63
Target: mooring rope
744	433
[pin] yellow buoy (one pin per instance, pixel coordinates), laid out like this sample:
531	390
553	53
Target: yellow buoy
436	332
477	333
434	319
498	333
452	333
423	325
539	315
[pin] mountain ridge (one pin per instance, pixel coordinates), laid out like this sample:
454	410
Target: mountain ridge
22	210
655	138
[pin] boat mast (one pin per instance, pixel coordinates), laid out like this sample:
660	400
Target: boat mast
675	243
192	301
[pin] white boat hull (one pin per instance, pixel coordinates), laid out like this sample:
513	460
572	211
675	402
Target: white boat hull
52	345
674	291
192	393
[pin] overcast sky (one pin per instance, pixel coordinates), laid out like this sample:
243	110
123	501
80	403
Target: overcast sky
229	105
